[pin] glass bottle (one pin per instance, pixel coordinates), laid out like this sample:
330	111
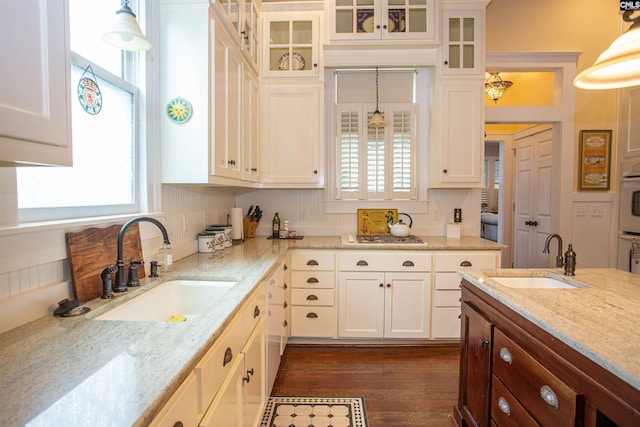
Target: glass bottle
276	227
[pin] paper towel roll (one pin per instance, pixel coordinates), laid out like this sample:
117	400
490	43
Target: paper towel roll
236	223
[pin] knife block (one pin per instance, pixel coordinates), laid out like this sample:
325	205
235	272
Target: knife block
249	227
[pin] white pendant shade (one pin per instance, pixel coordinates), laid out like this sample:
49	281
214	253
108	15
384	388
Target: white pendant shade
125	33
616	67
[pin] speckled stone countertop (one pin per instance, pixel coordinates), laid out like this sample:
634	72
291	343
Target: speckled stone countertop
599	318
77	371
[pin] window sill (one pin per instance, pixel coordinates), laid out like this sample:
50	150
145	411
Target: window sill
351	206
31	227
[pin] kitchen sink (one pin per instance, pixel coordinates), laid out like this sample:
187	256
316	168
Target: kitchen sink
533	282
174	300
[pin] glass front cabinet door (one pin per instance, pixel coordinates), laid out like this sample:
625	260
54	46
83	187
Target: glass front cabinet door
382	19
461	43
292	45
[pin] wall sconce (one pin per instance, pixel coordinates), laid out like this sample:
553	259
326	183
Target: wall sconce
125	33
618	66
495	88
377	120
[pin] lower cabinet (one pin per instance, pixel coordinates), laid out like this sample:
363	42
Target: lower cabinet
228	385
512	373
384	295
277	319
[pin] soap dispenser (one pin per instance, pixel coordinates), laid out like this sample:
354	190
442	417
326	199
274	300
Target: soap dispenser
570	261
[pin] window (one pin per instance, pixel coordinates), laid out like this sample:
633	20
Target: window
376	163
104	176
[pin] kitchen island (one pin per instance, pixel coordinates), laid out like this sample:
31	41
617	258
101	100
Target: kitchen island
81	371
550	356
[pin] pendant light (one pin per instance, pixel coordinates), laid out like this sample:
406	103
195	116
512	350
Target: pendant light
377	120
619	65
125	33
495	87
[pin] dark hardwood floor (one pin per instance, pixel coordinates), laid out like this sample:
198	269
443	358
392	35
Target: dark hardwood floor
402	386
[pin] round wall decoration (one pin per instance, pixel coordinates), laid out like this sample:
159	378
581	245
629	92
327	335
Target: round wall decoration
89	94
179	110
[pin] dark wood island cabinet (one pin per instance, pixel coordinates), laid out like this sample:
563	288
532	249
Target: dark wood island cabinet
514	373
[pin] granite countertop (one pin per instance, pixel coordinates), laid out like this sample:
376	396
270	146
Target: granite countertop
77	371
599	318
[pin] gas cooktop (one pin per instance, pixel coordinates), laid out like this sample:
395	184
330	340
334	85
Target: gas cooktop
363	239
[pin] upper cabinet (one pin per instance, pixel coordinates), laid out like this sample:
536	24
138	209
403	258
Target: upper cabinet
462	43
357	20
35	100
293	44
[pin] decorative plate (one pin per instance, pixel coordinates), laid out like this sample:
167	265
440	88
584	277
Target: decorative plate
297	62
89	95
179	110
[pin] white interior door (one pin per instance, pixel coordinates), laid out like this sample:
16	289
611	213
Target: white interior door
532	215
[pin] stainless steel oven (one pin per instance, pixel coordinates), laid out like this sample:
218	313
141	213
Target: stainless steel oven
629	219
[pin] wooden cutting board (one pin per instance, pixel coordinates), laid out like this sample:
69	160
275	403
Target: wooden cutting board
93	249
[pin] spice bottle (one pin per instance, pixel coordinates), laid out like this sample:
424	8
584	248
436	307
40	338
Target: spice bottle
276	227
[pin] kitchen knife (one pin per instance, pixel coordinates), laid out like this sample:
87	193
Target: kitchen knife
250	211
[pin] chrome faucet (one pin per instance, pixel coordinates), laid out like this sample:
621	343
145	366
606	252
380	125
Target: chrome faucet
120	277
569	260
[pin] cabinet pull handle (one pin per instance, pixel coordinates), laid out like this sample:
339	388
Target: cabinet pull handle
388	285
362	263
505	355
381	285
285	286
228	356
256	311
285	268
504	405
483	342
408	264
285	323
549	396
285	305
312	262
312	298
254	169
312	280
312	315
466	264
178	424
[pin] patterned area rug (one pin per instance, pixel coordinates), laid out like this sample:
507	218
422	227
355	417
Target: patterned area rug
314	412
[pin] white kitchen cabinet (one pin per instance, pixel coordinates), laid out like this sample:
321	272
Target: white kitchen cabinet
393	20
384	295
228	78
629	106
457	152
445	322
292	44
208	148
313	294
35	100
277	319
183	406
462	49
251	128
292	117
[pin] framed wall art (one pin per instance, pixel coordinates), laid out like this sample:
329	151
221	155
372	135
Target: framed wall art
595	160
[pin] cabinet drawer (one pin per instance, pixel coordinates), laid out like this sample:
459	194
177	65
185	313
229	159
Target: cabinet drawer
384	261
253	312
313	279
312	297
216	364
449	280
313	321
447	298
312	260
453	261
445	323
506	411
182	406
547	398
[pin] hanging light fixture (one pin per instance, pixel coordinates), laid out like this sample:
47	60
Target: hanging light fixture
377	120
618	66
495	88
125	33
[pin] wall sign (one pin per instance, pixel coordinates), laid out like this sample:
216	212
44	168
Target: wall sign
595	160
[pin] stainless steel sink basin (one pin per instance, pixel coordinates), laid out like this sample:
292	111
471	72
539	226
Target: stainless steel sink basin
533	282
174	300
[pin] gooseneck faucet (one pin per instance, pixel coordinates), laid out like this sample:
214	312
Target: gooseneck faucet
559	260
120	275
569	260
